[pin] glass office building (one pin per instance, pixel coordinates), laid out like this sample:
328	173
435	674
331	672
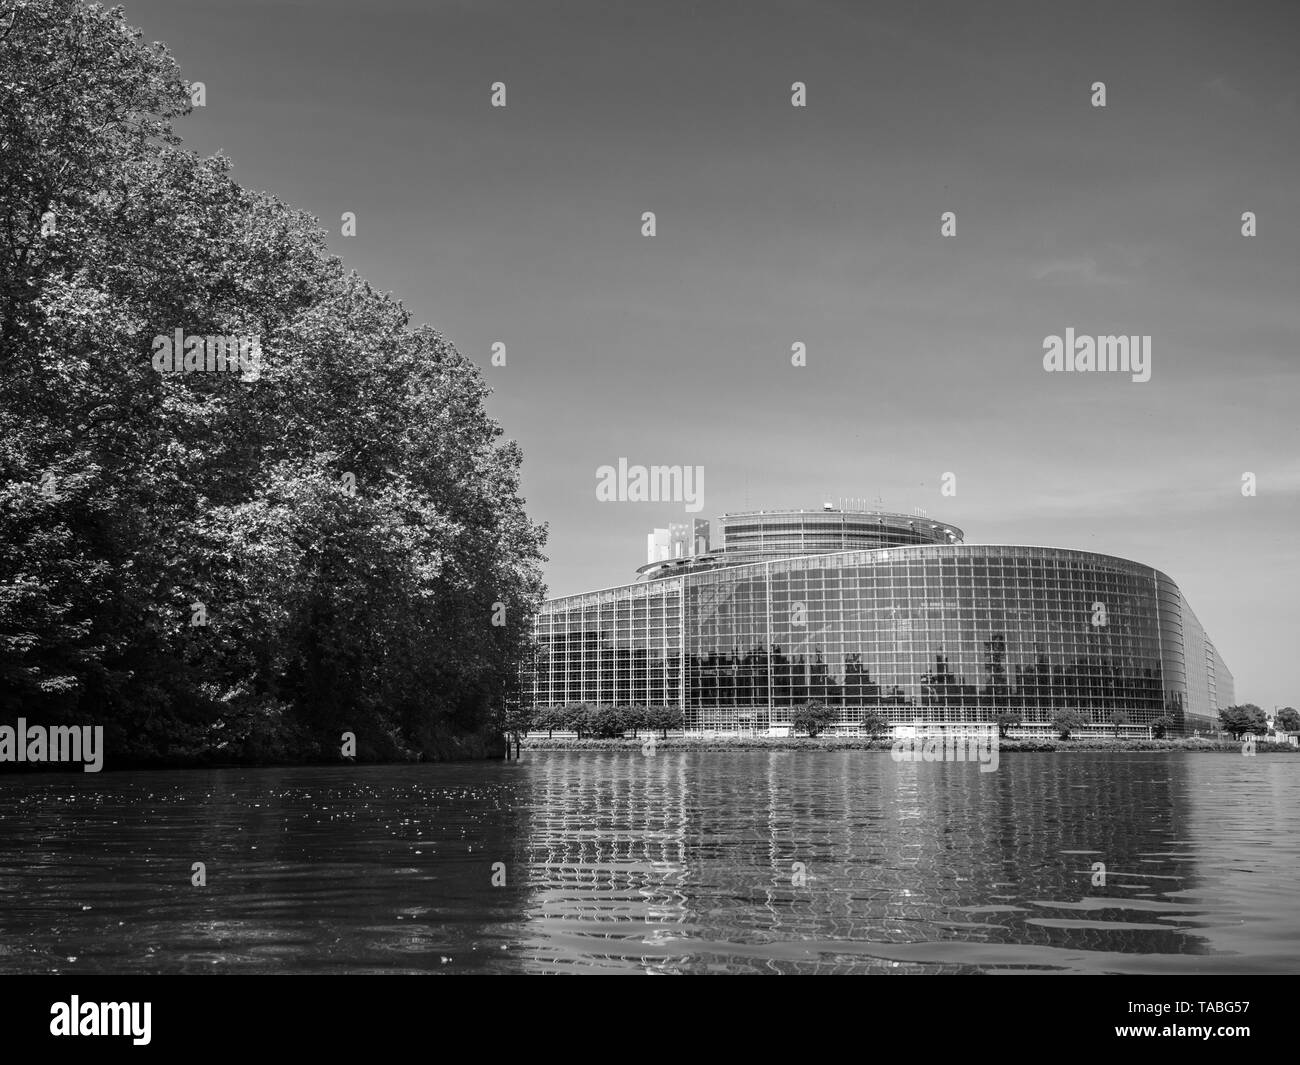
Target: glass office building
883	614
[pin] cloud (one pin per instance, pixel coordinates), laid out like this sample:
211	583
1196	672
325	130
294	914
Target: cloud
1220	87
1076	271
1165	497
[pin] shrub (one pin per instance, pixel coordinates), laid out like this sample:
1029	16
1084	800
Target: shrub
1008	719
875	725
1068	721
813	716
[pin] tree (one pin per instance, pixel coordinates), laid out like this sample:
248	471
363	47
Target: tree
549	718
1007	720
875	724
605	722
1161	725
665	718
1118	718
345	524
515	721
635	717
1287	719
813	716
1067	722
1244	718
572	717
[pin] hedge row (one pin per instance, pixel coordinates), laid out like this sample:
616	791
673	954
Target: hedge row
591	719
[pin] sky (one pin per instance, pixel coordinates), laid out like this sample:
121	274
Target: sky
822	225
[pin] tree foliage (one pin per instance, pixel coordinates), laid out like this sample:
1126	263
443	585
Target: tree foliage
129	495
1007	720
813	716
875	724
1162	725
606	722
1244	718
1067	722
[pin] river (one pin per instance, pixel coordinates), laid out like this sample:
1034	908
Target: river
737	861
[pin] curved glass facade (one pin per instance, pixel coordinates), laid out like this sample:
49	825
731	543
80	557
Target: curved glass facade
936	634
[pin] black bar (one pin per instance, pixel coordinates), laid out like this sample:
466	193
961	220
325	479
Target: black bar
338	1014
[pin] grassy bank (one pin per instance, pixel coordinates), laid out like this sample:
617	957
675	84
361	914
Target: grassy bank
800	743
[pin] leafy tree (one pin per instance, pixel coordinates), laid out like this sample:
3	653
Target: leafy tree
875	724
813	716
1067	722
515	721
665	718
634	717
572	717
1118	718
348	519
605	722
1244	718
549	718
1161	725
1287	719
1008	719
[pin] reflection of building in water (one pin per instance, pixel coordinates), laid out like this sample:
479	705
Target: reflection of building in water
904	865
607	844
1240	815
879	614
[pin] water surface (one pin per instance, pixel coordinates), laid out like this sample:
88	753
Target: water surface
737	861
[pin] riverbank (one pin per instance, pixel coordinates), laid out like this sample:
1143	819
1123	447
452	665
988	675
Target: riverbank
849	743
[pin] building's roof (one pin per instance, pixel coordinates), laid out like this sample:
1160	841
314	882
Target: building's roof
852	556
